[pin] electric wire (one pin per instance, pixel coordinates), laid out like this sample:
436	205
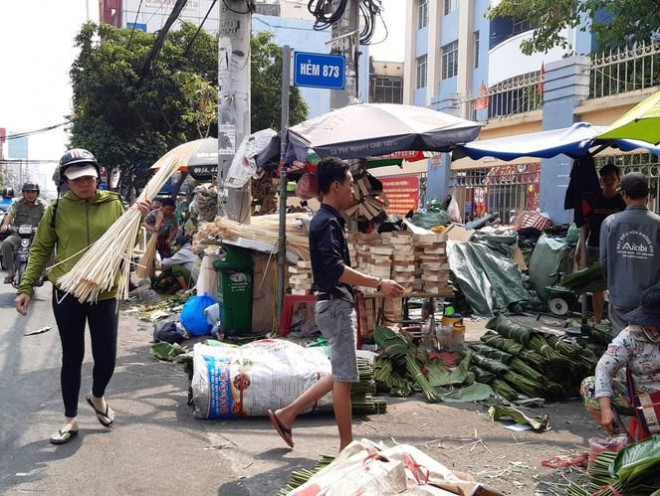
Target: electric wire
137	13
36	131
325	17
192	41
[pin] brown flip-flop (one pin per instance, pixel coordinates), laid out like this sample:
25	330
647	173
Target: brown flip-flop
284	433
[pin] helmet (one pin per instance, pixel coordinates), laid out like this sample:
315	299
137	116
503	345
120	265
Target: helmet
78	157
30	186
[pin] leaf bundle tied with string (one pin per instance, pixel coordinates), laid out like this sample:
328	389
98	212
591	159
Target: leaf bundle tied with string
107	261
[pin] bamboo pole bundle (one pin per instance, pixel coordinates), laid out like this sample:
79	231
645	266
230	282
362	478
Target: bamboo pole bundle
109	258
146	265
262	228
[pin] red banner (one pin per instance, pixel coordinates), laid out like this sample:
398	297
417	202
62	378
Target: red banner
402	193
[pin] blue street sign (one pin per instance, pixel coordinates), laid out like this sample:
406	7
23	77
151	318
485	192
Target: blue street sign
317	70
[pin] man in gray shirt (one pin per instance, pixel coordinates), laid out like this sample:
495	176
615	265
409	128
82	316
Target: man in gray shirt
629	250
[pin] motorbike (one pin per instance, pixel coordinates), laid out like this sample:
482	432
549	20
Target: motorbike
26	233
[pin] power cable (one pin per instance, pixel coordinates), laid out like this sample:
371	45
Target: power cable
192	41
37	131
137	13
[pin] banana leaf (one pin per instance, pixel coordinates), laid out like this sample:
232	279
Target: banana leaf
539	423
497	368
502	343
438	376
509	329
481	375
587	280
490	352
474	392
638	460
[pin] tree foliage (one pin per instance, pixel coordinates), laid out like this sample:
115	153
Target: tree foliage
613	22
128	121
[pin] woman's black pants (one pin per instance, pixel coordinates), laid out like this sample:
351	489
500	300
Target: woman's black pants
71	316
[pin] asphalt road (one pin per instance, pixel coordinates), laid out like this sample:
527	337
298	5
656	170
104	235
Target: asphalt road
158	448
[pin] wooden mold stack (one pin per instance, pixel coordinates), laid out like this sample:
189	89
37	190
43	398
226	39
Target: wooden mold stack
300	278
403	259
432	256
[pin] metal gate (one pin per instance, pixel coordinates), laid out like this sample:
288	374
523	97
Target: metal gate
506	190
646	163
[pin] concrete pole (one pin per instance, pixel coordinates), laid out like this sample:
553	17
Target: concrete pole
234	82
346	41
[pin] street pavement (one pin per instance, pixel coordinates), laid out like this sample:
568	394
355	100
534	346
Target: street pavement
158	448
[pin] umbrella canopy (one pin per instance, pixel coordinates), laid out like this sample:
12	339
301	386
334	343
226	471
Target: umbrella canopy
196	152
368	129
642	122
199	157
574	141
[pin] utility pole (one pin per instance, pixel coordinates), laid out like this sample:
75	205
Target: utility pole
346	41
234	29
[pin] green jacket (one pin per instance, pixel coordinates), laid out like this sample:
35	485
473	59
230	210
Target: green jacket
78	224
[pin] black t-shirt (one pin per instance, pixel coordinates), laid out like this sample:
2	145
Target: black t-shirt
604	207
329	252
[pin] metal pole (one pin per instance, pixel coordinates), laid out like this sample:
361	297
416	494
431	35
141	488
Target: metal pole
345	41
281	251
234	32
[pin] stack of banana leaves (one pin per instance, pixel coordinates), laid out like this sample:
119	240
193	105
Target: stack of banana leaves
363	392
587	280
634	471
515	359
397	369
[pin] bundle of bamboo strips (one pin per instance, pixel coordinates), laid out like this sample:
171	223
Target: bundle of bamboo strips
263	228
146	266
110	256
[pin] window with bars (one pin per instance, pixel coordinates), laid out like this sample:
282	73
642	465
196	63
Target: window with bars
450	60
423	14
387	90
476	49
421	71
450	6
522	25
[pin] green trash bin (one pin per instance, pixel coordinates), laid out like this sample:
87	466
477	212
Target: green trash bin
235	272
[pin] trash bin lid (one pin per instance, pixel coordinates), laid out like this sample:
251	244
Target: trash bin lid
236	258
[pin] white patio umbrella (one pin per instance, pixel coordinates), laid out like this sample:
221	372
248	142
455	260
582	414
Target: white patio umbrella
367	129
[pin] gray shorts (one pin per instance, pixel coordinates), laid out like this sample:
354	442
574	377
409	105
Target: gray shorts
338	323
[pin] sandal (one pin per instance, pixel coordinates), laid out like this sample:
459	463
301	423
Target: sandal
279	427
107	418
63	436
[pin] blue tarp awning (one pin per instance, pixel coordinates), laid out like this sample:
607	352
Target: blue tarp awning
574	141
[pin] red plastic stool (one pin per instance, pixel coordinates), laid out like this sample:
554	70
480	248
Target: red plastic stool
287	310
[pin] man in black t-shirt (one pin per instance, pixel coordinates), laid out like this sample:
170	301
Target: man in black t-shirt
608	202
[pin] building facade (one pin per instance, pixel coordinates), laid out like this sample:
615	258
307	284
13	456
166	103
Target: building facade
458	61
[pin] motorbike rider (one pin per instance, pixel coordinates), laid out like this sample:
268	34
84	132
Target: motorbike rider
28	209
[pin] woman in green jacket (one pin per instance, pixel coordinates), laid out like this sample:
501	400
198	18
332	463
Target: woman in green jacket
71	224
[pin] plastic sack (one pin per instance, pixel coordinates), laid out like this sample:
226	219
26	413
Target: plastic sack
170	332
207	281
193	316
235	381
307	187
373	470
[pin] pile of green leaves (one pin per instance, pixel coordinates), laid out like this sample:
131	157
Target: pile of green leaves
526	361
634	471
397	368
587	280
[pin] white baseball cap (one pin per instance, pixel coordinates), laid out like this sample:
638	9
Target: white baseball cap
82	170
